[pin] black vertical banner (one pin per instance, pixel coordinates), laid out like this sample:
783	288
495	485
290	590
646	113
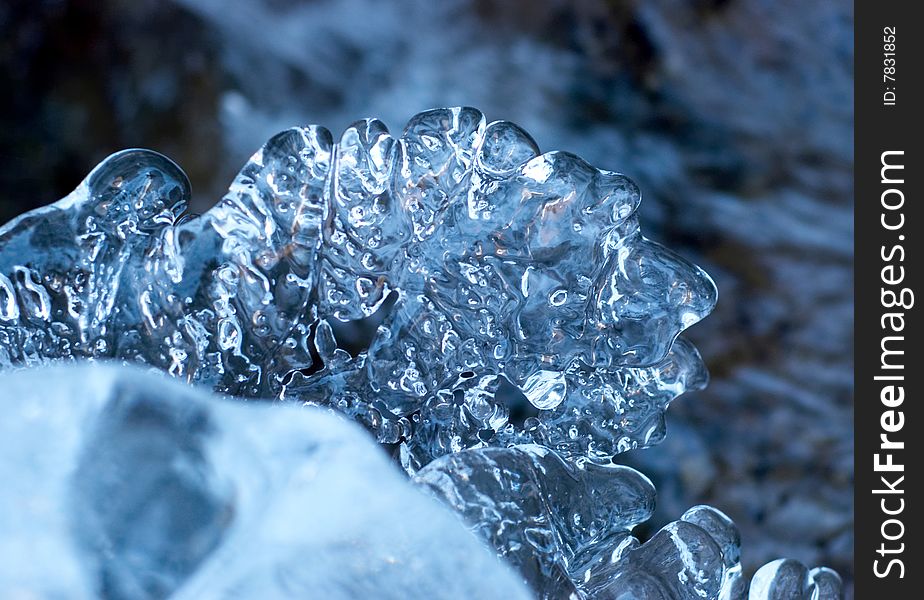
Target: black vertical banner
887	276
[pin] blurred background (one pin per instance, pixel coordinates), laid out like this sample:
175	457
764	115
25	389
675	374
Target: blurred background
734	116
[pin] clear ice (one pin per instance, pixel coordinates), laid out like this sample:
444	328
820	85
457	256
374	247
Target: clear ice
507	265
528	331
567	527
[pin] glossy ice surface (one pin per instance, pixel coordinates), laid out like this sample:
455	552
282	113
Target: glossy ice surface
508	267
528	335
568	529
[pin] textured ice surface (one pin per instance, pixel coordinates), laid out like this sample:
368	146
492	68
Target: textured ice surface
121	484
567	527
548	517
511	270
682	96
786	579
528	334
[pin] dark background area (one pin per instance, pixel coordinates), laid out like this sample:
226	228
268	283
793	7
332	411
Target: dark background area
734	116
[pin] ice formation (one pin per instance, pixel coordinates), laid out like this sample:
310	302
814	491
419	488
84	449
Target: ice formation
568	526
506	281
508	266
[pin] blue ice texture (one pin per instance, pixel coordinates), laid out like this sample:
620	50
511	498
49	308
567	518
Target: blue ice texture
523	333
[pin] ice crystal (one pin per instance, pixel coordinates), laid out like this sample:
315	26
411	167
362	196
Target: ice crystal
567	526
528	332
509	267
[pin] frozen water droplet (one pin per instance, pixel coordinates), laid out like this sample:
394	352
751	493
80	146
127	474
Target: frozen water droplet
545	389
781	579
505	148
